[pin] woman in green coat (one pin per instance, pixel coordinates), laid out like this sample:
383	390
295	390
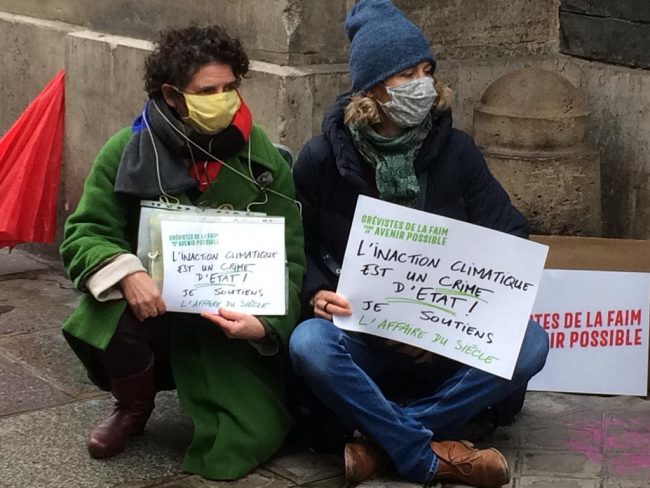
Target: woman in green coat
195	141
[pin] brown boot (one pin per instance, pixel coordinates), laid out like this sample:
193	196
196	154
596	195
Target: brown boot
460	461
134	397
363	459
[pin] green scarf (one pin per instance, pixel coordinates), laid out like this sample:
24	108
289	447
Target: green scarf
393	158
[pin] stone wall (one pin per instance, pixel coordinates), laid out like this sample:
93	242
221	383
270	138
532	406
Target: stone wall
307	35
33	51
466	29
619	98
613	32
104	89
277	31
298	48
103	93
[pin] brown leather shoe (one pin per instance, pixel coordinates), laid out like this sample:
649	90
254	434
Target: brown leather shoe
460	461
134	397
363	460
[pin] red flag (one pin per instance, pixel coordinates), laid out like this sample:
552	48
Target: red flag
30	163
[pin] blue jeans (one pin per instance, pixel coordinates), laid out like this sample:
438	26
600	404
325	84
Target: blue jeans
340	367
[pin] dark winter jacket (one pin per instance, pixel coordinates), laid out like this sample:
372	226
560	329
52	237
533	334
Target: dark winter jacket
330	174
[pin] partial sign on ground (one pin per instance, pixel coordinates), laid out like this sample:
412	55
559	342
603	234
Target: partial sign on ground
597	323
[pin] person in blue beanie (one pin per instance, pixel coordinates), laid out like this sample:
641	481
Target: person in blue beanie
392	138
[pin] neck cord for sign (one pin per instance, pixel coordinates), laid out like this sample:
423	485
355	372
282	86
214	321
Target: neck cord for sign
169	198
250	171
263	188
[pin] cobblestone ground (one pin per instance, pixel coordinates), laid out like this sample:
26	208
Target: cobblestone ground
47	406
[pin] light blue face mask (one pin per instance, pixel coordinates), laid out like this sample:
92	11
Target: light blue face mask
410	102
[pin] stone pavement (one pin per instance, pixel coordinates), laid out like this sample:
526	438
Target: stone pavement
47	406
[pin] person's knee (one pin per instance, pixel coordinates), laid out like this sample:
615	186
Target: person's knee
310	346
533	353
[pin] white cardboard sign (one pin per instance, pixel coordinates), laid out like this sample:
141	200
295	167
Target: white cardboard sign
453	288
237	263
597	323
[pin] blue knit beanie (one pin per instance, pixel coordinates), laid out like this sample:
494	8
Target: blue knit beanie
382	42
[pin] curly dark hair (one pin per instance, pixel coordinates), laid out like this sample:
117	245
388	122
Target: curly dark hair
179	53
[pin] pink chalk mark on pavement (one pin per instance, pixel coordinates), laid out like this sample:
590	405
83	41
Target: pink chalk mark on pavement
591	450
630	439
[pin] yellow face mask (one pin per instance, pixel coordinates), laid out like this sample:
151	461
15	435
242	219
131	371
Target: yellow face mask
210	114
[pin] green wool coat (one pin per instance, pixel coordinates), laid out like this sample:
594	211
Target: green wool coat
234	395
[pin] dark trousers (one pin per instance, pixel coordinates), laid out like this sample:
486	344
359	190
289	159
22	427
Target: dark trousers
134	343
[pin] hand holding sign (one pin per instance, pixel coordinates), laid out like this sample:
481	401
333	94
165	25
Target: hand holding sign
237	325
142	295
327	304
